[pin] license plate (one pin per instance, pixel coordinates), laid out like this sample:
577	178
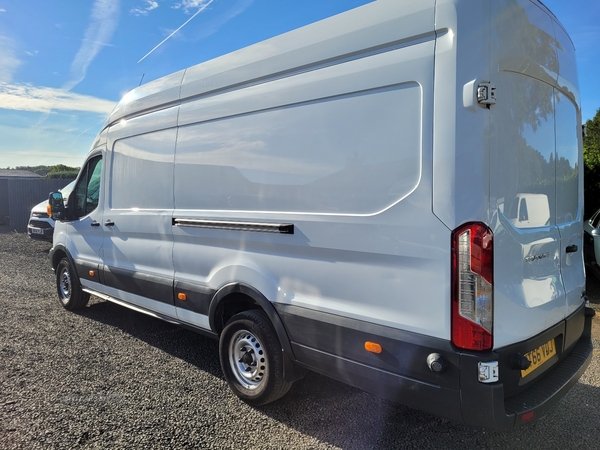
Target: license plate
539	356
37	231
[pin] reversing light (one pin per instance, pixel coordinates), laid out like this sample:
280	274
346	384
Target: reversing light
472	287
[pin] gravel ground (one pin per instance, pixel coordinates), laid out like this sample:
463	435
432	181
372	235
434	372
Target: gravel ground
107	377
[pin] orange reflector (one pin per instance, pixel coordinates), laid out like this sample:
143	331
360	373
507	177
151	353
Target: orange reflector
49	210
528	416
92	273
373	347
182	296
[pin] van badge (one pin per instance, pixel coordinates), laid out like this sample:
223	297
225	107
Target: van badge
533	258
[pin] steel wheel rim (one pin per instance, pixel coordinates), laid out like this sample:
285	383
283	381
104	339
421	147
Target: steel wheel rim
247	359
64	285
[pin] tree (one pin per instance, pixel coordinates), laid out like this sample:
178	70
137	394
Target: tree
57	171
591	157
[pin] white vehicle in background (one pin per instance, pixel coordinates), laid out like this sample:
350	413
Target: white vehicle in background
40	225
330	199
530	211
591	230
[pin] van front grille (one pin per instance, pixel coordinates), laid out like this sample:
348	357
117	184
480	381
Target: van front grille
39	224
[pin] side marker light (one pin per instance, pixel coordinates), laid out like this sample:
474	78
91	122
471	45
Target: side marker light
373	347
182	296
92	273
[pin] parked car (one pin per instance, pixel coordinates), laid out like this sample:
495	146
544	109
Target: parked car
591	243
40	225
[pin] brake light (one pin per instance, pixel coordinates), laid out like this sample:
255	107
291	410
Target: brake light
472	287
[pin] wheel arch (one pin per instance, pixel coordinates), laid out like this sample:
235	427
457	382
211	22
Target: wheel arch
237	297
57	253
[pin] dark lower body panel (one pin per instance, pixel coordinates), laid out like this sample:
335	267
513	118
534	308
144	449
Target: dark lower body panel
334	346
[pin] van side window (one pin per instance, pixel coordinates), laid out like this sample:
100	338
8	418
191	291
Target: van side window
87	191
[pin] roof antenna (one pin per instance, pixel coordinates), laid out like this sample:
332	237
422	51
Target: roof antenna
141	79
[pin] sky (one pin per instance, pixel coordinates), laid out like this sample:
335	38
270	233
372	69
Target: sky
64	64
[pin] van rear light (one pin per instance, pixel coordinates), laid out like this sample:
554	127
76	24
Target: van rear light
472	283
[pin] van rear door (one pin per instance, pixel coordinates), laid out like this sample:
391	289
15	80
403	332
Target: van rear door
535	181
569	199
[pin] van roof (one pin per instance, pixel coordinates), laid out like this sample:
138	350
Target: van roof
342	37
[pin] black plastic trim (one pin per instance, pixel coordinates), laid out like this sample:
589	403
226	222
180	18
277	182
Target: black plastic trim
334	346
404	353
563	377
142	284
493	405
54	260
263	227
83	270
435	399
142	310
198	297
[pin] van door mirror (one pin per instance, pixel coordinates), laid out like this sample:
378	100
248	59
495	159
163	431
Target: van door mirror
56	206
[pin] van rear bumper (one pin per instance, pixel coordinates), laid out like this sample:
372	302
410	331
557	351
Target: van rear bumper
334	346
487	405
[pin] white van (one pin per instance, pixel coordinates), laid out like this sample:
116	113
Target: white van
41	225
332	199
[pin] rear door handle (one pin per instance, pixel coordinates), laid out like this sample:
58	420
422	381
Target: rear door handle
571	249
109	223
95	224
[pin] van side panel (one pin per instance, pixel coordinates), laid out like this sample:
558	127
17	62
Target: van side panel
342	153
138	246
460	137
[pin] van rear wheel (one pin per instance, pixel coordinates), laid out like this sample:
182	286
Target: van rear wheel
252	359
69	290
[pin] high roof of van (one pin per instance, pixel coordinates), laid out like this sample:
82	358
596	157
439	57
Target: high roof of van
378	26
327	42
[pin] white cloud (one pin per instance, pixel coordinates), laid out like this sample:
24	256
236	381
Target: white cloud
145	9
188	5
103	23
203	5
25	97
215	24
2	10
8	60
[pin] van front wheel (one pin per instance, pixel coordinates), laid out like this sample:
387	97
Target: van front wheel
69	290
252	359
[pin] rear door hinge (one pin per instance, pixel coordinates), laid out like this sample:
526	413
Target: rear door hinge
486	94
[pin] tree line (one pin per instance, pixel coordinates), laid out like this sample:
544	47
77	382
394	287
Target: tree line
58	171
591	158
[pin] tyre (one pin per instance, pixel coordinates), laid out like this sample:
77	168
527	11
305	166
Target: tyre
252	359
69	290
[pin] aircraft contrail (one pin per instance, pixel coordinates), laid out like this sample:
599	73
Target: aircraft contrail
184	24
